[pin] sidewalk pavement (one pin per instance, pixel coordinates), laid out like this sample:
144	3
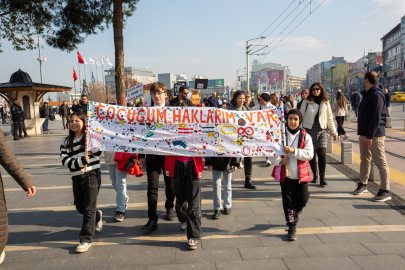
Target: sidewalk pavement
336	230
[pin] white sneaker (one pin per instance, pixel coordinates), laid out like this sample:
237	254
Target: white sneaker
241	165
83	247
2	257
192	244
268	163
99	225
345	137
183	226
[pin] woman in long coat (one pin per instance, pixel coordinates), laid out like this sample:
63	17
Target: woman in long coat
14	168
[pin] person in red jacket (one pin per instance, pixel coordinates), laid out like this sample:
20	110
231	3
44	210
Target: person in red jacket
186	173
295	171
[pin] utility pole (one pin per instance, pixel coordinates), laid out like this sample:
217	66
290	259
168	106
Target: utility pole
40	59
331	79
247	58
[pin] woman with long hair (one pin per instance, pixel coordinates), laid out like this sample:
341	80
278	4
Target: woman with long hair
304	96
238	104
86	183
339	109
317	118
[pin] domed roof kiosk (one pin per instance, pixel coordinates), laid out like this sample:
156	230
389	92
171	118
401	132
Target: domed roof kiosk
29	93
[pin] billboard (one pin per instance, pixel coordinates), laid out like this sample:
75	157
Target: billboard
211	83
267	77
329	64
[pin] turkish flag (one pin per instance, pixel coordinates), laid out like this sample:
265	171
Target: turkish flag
80	58
74	75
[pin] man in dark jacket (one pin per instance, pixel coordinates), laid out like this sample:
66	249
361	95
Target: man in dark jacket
3	111
181	99
388	102
76	107
213	100
83	104
355	100
44	113
17	115
155	166
371	131
64	112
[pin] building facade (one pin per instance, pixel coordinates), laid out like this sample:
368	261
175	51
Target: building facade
170	79
142	75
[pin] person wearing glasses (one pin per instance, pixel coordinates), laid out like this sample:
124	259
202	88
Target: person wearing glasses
155	166
317	118
182	100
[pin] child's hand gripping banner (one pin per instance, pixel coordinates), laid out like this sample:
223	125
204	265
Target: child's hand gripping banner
184	131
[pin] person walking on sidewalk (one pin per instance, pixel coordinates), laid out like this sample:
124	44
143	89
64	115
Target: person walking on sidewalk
186	172
317	118
387	102
355	100
64	112
155	165
119	181
294	186
44	113
237	102
17	115
222	167
339	109
290	104
14	168
3	111
371	131
304	96
86	181
22	123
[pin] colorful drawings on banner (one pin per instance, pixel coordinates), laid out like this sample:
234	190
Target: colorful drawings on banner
184	131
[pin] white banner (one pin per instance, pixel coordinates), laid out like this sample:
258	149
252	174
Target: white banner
184	131
134	92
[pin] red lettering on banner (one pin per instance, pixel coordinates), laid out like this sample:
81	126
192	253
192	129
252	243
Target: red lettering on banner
140	118
249	116
201	117
176	116
161	115
108	112
130	117
98	112
148	113
260	116
185	116
194	116
230	115
270	115
118	114
223	117
217	116
209	116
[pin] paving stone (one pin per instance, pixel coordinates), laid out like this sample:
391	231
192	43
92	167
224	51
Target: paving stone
194	266
21	265
397	220
321	263
391	236
252	265
386	248
380	262
351	221
263	253
281	240
144	259
349	238
204	256
220	244
335	250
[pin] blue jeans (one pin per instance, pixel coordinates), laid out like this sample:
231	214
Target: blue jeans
356	109
216	175
119	182
45	124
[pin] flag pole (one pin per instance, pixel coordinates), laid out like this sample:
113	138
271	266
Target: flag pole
74	82
98	94
80	87
102	74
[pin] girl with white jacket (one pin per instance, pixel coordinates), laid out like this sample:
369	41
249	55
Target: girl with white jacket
317	118
294	186
339	109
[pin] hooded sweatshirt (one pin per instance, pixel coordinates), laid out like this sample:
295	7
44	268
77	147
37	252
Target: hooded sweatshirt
372	113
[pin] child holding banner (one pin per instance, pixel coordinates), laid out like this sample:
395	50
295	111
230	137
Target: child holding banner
294	186
86	183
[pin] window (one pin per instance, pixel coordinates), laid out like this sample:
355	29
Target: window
26	107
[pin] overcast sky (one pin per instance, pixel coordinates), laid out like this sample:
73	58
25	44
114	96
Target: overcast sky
208	38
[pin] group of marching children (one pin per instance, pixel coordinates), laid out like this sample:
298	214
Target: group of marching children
183	174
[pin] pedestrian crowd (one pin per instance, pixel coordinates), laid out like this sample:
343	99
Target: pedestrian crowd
308	125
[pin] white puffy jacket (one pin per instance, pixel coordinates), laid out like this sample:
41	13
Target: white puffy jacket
309	110
262	107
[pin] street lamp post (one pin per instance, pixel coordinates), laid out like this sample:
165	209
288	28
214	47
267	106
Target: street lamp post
237	78
331	80
247	58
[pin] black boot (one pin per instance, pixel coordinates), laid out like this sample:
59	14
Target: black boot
322	179
315	179
150	226
292	234
170	214
248	183
217	214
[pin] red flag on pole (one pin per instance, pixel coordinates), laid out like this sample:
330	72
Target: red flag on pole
80	58
74	75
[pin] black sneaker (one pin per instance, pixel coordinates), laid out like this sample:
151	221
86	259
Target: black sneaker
292	235
119	216
227	211
217	214
361	188
382	196
170	214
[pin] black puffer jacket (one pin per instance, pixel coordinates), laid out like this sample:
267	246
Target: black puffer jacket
222	163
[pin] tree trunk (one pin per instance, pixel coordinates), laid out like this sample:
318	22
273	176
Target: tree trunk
118	26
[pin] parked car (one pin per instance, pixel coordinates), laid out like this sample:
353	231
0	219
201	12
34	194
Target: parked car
397	96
